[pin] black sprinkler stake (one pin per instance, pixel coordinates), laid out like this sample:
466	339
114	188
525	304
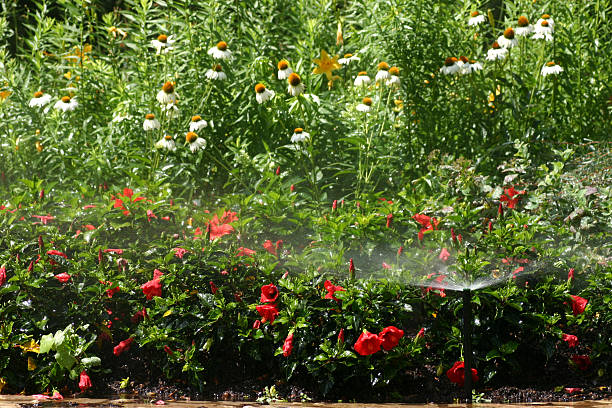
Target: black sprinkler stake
468	359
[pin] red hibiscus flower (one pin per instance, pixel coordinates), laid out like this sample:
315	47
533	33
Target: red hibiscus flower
269	293
390	337
220	227
152	288
428	223
444	254
341	336
179	252
257	324
44	218
509	199
150	215
572	341
123	346
62	277
168	351
420	334
269	246
582	362
331	290
245	252
288	346
84	381
213	287
2	275
368	343
456	374
267	312
578	305
57	253
570	274
111	291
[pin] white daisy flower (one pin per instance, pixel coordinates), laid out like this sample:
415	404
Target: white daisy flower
471	66
262	94
120	117
476	18
383	72
543	31
40	99
283	70
195	142
362	79
394	80
550	68
216	73
167	143
347	59
150	123
220	51
451	66
508	39
365	105
296	86
496	52
171	110
66	104
167	95
548	19
524	28
299	136
163	43
197	123
312	97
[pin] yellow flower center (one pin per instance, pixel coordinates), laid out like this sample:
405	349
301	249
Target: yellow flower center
367	101
222	45
474	13
545	16
398	102
545	23
298	130
383	66
260	88
218	68
550	64
149	116
294	79
163	38
196	118
168	137
168	87
283	65
472	61
38	94
522	21
464	59
348	55
509	33
394	71
65	99
191	137
495	45
450	61
362	73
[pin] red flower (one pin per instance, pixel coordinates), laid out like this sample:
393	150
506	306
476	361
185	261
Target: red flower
509	198
2	275
292	188
220	227
444	254
368	343
278	170
288	346
400	250
257	324
157	274
269	246
89	227
150	215
213	287
571	390
570	274
386	265
420	334
390	337
582	362
269	293
152	288
44	218
389	220
123	346
341	336
179	252
84	381
114	251
267	312
62	277
334	205
168	351
456	374
331	290
139	316
572	341
453	236
111	292
57	253
245	252
578	305
351	268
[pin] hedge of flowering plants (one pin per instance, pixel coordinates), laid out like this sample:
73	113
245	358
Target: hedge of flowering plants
209	192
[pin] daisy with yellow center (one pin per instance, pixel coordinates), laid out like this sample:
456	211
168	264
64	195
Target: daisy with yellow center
283	69
167	95
262	93
362	79
66	104
496	52
347	59
523	27
166	142
551	68
451	66
216	73
150	123
197	123
394	80
365	105
195	142
383	72
508	38
543	31
476	18
163	43
326	65
296	86
220	51
40	99
299	136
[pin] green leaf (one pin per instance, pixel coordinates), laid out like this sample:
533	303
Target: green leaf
492	354
46	343
65	359
509	347
59	338
91	361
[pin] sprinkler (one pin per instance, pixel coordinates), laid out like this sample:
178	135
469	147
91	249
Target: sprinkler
468	358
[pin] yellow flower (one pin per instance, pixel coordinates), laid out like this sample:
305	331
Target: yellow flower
2	383
31	364
4	95
30	345
326	65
